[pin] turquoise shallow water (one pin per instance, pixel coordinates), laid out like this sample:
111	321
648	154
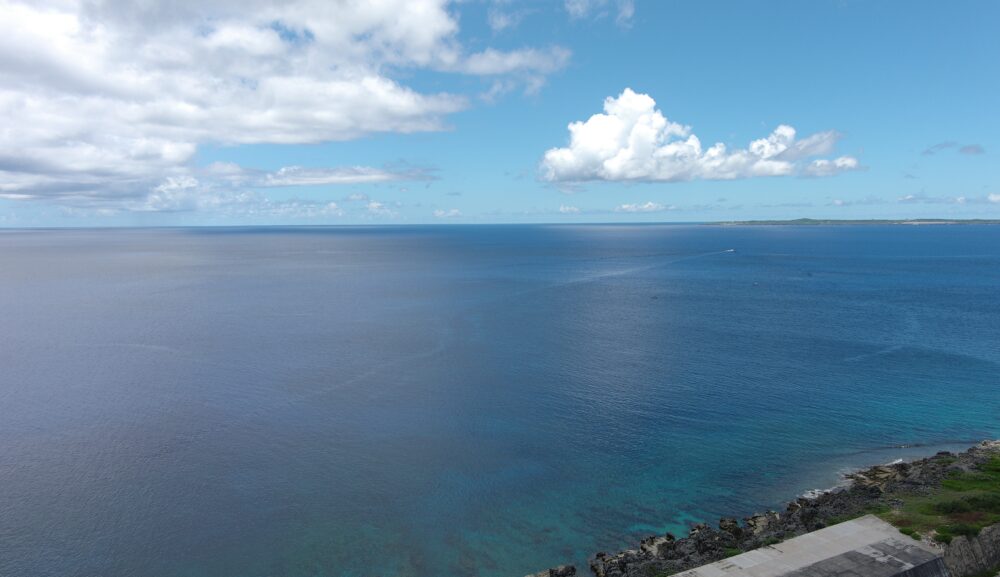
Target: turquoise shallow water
424	401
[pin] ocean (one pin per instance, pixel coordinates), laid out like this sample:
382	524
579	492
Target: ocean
463	400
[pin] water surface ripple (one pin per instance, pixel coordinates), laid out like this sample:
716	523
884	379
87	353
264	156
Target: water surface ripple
463	401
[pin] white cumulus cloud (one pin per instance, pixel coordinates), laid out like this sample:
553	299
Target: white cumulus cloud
633	141
566	209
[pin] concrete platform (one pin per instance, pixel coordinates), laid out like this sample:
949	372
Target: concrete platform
864	547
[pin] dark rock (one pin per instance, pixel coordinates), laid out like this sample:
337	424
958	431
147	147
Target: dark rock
560	571
657	544
760	523
730	525
698	528
974	555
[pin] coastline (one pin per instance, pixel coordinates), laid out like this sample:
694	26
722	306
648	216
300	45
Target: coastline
882	488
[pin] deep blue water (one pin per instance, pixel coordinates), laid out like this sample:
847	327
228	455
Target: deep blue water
439	401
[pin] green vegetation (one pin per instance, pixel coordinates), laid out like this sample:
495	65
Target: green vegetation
966	502
771	541
732	551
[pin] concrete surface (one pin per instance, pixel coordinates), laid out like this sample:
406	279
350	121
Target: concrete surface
864	547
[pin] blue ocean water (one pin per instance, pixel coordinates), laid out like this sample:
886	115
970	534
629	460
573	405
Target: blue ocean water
459	401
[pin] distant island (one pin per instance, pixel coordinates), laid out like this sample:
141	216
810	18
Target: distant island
815	221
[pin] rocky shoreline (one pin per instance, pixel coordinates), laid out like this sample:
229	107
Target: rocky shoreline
874	486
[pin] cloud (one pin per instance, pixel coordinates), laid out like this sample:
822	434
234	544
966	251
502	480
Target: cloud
450	213
626	10
643	207
500	20
824	167
289	209
492	62
236	175
106	100
962	149
866	201
565	209
299	176
922	199
930	150
377	208
961	199
633	141
501	17
221	187
579	9
188	194
527	69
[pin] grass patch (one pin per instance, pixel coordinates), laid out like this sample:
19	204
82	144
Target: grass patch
966	503
771	541
986	479
732	551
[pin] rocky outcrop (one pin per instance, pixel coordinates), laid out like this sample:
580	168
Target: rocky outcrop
761	524
560	571
970	555
879	477
666	554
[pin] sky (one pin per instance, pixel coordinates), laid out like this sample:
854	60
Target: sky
428	111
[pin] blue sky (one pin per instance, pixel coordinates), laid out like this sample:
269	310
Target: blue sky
431	111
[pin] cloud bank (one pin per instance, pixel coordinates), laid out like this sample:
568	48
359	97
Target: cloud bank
105	100
633	141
